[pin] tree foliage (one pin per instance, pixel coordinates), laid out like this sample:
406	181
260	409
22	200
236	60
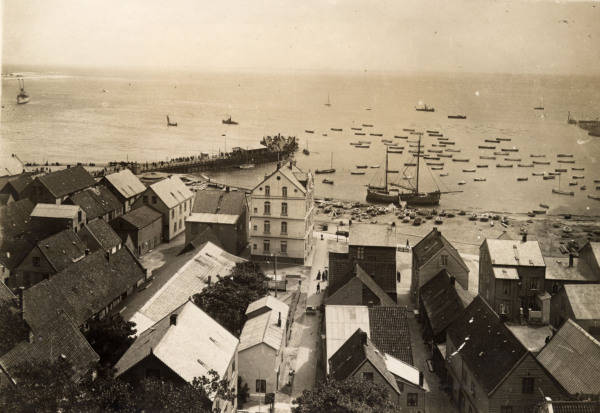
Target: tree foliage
227	299
352	395
110	338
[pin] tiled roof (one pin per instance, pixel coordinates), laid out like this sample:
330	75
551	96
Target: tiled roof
62	249
572	406
4	198
557	268
101	232
390	333
141	217
18	234
573	358
373	235
262	327
190	348
219	202
55	211
431	244
366	280
15	218
485	344
441	301
67	181
353	353
172	191
584	300
19	183
14	250
189	279
126	183
511	252
96	201
6	295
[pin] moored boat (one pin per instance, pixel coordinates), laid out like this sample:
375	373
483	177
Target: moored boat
22	97
457	117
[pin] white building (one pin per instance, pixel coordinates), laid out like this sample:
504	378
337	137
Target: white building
281	215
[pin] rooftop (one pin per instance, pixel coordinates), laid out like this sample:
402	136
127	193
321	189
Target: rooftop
532	337
573	358
219	202
266	303
62	249
573	406
441	301
584	300
20	182
367	281
190	347
516	253
429	246
404	371
506	273
67	181
102	233
213	218
55	211
172	191
141	217
557	268
373	235
262	327
126	183
341	321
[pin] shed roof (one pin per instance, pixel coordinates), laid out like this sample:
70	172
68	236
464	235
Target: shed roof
126	183
485	344
573	358
341	321
267	303
141	217
402	370
518	253
431	244
67	181
103	233
373	235
506	273
62	249
191	347
172	191
441	301
213	218
262	327
584	300
55	211
219	202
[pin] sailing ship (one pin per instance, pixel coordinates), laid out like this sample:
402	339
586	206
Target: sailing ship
327	171
561	192
229	121
305	151
541	105
22	97
170	123
425	108
457	117
328	101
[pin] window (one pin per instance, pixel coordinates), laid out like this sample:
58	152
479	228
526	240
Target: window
175	227
79	216
153	199
528	385
284	228
284	209
504	308
267	208
412	399
145	199
360	253
284	247
444	260
180	224
185	206
532	284
172	213
254	246
267	190
180	208
267	227
368	375
36	261
506	287
256	210
506	409
266	246
255	227
284	191
400	386
261	386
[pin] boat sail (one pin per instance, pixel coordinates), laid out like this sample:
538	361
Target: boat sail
305	151
327	171
382	194
22	97
328	101
170	123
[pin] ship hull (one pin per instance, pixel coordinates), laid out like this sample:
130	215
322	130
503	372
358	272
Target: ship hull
22	100
428	198
376	196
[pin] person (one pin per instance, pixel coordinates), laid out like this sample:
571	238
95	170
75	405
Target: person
407	244
319	275
318	288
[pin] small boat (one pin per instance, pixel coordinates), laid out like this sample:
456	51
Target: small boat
383	140
493	158
560	170
374	166
444	174
432	131
462	183
362	146
434	163
558	191
537	156
468	170
327	171
597	181
359	133
583	187
479	179
327	181
408	129
573	183
541	163
365	142
354	143
499	165
509	150
309	131
324	134
22	97
525	165
445	155
305	151
504	139
486	147
437	168
578	176
392	171
594	197
367	108
492	140
367	125
547	177
564	155
500	153
460	159
449	143
540	106
410	164
400	137
357	172
544	206
438	220
247	166
169	123
336	129
356	128
229	121
521	179
482	166
376	134
424	108
452	150
436	135
537	174
328	103
577	169
457	117
362	166
513	159
442	139
565	161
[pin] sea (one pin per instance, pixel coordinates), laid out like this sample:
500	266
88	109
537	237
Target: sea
85	115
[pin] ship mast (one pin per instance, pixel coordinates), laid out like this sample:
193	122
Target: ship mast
386	167
418	159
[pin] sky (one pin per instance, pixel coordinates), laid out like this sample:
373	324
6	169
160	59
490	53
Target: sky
537	36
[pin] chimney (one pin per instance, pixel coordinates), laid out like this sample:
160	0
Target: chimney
107	255
208	279
452	280
363	338
20	298
173	319
420	378
227	189
524	239
87	251
290	165
570	259
278	165
279	320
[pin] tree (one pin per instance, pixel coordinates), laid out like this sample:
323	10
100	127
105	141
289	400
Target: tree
352	395
227	299
110	338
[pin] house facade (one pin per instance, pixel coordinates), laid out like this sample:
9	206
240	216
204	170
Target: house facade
142	227
55	187
97	202
173	200
125	186
578	302
281	215
56	218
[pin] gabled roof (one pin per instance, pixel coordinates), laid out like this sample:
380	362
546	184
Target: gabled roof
353	353
61	211
5	199
390	332
96	201
441	302
200	239
102	233
15	218
6	295
584	300
141	217
573	358
573	406
287	173
189	279
18	233
20	182
515	252
219	202
485	344
62	249
262	326
67	181
431	244
341	321
368	282
191	348
126	183
171	191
